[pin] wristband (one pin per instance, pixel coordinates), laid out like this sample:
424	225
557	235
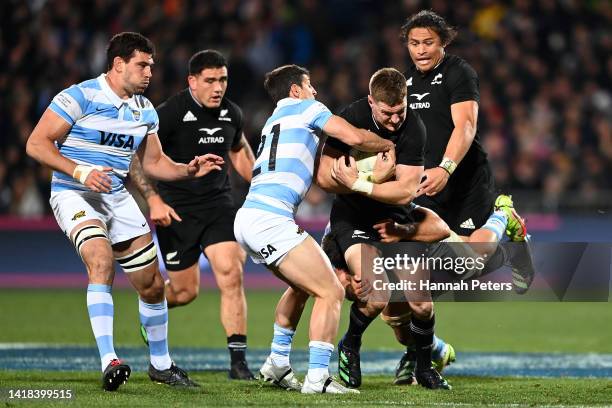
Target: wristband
81	171
448	164
362	186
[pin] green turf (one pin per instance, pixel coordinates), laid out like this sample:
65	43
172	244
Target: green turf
60	316
218	391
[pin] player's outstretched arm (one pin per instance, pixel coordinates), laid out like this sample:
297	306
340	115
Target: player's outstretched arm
324	177
243	159
41	147
360	139
161	167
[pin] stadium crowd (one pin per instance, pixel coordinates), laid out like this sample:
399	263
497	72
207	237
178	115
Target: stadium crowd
545	72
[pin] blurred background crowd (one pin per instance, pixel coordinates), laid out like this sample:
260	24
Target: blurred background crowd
545	72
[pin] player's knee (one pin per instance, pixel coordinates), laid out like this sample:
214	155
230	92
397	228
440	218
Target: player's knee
186	296
422	310
152	291
100	267
374	308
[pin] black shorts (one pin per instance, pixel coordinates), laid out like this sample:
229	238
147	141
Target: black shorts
465	205
182	242
350	230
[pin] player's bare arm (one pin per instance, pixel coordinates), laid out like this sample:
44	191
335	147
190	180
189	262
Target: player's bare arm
360	139
242	158
160	167
400	191
465	116
324	177
41	147
159	212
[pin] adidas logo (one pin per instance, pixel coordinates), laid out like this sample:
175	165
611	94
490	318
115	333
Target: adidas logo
468	224
189	117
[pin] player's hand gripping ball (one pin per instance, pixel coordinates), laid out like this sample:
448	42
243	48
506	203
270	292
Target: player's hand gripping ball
374	167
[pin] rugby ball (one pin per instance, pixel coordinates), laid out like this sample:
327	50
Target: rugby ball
366	161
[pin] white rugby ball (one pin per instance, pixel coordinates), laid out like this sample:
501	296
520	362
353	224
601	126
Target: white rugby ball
365	162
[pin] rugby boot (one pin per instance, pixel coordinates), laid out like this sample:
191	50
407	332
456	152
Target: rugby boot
326	385
115	374
240	371
283	377
349	366
173	376
430	378
448	357
404	372
519	251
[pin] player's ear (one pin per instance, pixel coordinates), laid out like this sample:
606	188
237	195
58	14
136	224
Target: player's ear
295	91
192	81
118	64
370	101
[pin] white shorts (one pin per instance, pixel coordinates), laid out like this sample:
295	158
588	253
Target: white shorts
267	237
118	211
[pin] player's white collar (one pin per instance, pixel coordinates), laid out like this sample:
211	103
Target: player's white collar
110	94
288	101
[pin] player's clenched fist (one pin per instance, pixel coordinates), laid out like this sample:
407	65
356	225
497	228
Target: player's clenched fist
95	178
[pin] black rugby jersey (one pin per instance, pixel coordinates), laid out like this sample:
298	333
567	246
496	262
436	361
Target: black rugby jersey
188	129
409	142
431	94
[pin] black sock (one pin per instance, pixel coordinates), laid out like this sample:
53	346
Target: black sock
237	344
358	323
423	333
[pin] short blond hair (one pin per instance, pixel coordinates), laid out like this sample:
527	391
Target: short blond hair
388	85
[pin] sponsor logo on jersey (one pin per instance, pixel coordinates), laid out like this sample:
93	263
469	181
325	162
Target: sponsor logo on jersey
420	105
468	224
211	139
437	80
419	96
78	215
136	114
360	234
117	140
210	131
267	251
300	230
189	117
409	82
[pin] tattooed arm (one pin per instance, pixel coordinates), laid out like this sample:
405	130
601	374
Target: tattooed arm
159	212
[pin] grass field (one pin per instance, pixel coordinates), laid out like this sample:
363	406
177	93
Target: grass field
60	317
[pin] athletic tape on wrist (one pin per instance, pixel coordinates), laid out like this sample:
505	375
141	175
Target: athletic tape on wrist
81	172
362	186
448	164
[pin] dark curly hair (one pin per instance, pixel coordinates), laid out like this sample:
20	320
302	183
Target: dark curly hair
431	20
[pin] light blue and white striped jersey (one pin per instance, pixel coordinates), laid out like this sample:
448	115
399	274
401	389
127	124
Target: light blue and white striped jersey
106	130
286	155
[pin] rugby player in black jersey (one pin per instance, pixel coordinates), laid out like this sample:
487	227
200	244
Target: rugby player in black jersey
358	206
458	183
197	216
